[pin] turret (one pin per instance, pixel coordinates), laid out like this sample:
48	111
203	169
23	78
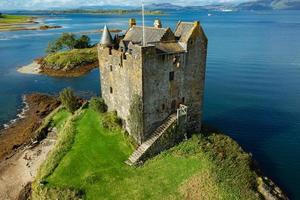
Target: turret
106	39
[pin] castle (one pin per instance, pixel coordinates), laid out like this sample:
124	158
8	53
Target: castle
164	70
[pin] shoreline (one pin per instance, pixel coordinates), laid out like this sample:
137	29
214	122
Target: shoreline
32	68
21	131
18	171
35	68
41	28
19	116
31	23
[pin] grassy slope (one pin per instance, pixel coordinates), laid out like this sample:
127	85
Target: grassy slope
60	118
212	167
68	60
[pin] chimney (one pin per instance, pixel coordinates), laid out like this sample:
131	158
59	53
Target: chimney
132	22
157	23
196	23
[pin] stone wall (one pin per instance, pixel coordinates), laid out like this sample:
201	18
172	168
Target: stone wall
121	78
171	137
162	96
158	91
194	74
163	80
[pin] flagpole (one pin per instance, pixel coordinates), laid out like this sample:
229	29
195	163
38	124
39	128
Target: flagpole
143	16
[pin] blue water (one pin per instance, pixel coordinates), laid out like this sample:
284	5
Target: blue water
252	83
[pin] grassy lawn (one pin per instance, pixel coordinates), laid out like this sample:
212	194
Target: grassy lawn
68	60
211	167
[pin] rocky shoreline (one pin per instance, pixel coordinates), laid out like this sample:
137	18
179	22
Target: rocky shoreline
18	171
37	68
20	132
43	27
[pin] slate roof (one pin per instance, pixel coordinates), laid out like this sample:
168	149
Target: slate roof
169	47
183	28
152	34
106	37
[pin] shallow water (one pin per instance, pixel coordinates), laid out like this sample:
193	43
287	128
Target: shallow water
252	83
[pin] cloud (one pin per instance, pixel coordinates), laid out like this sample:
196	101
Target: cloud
43	4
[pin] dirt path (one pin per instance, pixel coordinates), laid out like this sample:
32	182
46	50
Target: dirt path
21	168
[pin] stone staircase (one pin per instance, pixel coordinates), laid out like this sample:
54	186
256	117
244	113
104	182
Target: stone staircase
139	152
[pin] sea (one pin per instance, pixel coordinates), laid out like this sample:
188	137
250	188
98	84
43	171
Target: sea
252	88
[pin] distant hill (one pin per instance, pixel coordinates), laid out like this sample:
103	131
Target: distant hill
270	5
251	5
163	6
108	7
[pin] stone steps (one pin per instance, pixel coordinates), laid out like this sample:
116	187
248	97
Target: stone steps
137	154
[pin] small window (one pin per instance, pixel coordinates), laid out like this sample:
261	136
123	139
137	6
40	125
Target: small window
110	67
121	61
173	105
171	76
163	107
183	99
110	51
111	90
174	60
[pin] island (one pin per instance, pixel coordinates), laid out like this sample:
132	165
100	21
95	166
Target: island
21	23
104	11
68	56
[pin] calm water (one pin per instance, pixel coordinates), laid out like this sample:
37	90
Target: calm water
252	85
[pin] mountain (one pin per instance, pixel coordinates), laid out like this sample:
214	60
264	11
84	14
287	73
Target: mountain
108	7
270	5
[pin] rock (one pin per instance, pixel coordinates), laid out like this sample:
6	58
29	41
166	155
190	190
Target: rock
269	190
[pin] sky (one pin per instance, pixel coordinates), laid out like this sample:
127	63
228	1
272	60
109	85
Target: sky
44	4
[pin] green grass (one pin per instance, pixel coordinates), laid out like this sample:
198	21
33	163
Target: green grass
211	167
68	60
9	19
60	118
12	22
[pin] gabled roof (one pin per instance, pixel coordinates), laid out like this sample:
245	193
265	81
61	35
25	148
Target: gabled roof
152	34
183	28
169	47
106	37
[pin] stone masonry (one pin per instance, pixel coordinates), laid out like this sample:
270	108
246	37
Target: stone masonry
166	72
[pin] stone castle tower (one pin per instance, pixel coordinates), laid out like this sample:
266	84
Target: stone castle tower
166	70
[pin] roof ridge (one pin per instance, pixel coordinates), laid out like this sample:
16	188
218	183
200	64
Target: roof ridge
152	27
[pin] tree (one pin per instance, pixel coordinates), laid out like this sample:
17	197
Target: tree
69	100
83	42
68	41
